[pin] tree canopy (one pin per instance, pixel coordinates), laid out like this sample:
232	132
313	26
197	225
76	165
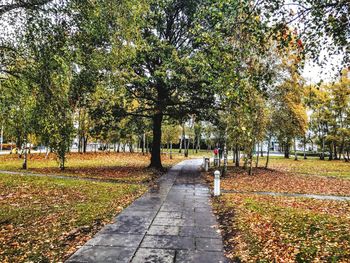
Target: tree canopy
114	71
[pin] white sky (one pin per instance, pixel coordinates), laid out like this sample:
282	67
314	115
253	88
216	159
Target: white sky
314	73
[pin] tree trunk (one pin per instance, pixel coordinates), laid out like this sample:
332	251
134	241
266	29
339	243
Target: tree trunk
237	155
233	154
171	150
330	158
183	138
286	150
47	152
323	146
295	150
199	144
257	157
85	138
250	156
305	148
187	146
157	137
341	150
1	137
25	161
335	152
147	146
180	145
62	163
268	153
143	143
194	145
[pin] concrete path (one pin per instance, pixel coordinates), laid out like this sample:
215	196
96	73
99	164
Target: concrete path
171	223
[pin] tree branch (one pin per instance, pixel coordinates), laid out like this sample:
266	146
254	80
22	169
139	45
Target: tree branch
29	4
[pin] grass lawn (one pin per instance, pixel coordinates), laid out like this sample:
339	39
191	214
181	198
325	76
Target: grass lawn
268	180
44	219
279	229
310	166
125	167
260	228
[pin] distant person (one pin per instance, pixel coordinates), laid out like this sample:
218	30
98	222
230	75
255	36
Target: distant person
216	151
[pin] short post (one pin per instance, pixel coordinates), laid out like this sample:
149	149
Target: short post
203	162
216	183
206	164
216	161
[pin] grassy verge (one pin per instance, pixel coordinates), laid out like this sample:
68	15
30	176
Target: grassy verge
310	166
267	180
278	229
45	219
260	228
123	167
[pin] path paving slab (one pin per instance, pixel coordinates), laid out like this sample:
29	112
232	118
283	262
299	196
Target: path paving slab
173	222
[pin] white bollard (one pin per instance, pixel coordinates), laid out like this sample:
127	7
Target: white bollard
216	183
206	164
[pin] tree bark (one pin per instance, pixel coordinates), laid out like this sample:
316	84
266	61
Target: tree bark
143	143
257	157
180	145
187	146
330	158
25	160
295	150
157	137
335	151
323	146
268	152
237	155
171	150
286	150
341	150
233	154
199	143
85	143
183	138
250	157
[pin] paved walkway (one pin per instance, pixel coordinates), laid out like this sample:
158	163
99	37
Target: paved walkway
171	223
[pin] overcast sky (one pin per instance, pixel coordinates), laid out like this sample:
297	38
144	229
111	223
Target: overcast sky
314	73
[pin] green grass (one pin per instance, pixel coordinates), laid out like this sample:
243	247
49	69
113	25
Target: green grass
121	167
43	219
74	160
310	166
268	229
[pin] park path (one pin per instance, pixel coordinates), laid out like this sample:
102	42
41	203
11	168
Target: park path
173	222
